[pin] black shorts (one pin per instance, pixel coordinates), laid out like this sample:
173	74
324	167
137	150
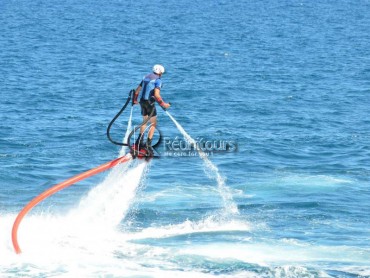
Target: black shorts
147	108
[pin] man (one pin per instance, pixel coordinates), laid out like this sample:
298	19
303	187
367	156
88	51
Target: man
147	93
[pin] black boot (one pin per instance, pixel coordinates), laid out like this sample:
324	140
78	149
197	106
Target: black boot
149	146
140	142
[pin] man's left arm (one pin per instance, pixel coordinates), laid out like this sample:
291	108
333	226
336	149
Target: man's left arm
137	91
158	98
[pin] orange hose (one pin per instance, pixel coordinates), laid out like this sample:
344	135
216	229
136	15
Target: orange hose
57	188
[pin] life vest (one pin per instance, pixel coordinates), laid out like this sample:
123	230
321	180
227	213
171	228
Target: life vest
148	84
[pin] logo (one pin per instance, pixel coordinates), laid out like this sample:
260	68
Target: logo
178	147
181	147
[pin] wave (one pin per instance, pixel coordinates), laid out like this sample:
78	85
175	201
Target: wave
209	225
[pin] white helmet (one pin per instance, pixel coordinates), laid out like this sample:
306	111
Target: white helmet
158	69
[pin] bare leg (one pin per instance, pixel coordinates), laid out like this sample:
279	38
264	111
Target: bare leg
153	121
143	127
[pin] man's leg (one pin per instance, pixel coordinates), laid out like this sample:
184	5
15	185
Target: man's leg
140	139
143	127
153	121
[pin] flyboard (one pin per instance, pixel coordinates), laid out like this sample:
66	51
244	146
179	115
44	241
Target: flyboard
135	152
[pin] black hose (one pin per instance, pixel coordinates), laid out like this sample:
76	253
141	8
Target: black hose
116	117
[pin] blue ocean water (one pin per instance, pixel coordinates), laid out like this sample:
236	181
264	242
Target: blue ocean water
289	81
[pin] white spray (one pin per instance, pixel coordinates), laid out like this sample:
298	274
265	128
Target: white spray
108	203
224	191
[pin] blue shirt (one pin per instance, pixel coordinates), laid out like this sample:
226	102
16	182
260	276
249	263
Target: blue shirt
148	84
